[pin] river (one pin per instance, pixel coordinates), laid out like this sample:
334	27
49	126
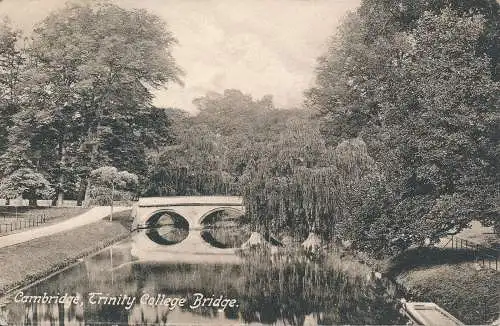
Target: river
114	288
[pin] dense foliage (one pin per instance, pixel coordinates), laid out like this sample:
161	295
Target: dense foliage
108	184
418	83
87	75
213	149
11	61
291	181
26	183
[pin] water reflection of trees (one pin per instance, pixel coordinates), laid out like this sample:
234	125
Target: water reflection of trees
225	228
266	292
106	272
291	292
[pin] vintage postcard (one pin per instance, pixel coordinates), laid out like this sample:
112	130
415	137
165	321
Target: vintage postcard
249	162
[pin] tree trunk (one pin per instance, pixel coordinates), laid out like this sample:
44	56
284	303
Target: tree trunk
86	198
32	201
60	197
60	193
82	190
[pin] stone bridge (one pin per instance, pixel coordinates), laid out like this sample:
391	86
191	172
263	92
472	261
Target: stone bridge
194	210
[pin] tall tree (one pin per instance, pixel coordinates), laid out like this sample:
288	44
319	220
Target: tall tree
419	86
95	65
11	68
109	182
213	148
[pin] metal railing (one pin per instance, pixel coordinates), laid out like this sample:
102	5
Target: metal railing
487	257
9	224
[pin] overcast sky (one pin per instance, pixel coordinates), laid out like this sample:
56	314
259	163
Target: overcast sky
258	46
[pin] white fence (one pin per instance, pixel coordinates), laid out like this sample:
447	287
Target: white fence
14	202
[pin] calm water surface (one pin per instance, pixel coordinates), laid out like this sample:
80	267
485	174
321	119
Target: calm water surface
300	294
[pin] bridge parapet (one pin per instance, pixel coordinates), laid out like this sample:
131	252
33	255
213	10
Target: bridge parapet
190	201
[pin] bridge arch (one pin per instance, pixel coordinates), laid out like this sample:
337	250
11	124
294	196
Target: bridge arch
223	231
167	227
156	215
193	209
240	211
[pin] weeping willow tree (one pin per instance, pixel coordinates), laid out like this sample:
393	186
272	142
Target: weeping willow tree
300	185
292	182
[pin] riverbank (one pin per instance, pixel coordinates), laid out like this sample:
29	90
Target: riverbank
32	260
447	277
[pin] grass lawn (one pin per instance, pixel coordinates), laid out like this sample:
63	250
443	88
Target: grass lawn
124	218
50	212
37	258
470	295
451	279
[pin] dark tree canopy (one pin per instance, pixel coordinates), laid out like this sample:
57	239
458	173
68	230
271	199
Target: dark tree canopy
91	69
11	70
417	83
213	148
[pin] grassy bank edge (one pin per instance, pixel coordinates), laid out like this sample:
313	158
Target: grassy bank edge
68	261
58	266
443	276
467	294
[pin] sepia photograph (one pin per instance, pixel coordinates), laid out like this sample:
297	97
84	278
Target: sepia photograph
249	162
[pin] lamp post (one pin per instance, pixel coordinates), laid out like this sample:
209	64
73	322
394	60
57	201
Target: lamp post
112	196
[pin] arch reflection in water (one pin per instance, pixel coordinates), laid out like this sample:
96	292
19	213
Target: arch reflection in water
299	292
224	228
167	228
